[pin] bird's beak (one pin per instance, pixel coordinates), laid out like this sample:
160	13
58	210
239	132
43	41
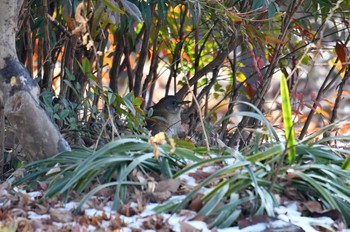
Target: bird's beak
182	102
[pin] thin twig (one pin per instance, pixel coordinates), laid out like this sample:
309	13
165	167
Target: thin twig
2	141
258	99
58	25
277	168
339	95
323	88
199	114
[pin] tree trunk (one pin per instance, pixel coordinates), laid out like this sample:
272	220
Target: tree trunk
19	94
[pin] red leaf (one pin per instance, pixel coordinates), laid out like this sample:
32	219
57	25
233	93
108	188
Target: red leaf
270	58
341	49
313	96
260	62
308	34
299	96
297	112
297	27
318	104
250	90
270	39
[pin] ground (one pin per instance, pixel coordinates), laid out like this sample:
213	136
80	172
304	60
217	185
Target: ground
30	211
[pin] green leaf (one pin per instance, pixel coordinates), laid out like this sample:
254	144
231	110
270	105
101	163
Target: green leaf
228	213
64	113
86	66
122	177
228	169
111	98
324	192
346	164
162	9
132	9
128	103
112	6
214	201
137	101
324	3
103	186
271	152
69	74
272	10
287	120
257	4
146	12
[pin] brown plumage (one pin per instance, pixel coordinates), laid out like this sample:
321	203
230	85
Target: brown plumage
166	116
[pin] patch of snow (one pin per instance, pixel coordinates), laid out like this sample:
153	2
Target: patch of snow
91	228
129	220
71	205
199	225
34	195
259	227
93	212
285	214
287	211
306	222
230	229
190	181
35	216
255	228
149	210
210	169
279	224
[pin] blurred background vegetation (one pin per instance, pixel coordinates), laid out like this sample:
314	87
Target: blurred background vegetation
97	59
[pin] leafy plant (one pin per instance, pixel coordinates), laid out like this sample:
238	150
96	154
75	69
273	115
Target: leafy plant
246	184
222	51
110	166
243	181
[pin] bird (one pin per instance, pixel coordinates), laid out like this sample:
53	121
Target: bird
166	116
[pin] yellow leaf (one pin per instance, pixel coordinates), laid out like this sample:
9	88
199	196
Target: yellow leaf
13	81
241	77
322	112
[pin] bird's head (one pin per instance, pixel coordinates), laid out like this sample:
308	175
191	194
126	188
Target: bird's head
170	104
166	116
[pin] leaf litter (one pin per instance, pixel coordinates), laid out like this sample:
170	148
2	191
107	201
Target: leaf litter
30	211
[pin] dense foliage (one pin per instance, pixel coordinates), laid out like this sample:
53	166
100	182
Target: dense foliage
266	79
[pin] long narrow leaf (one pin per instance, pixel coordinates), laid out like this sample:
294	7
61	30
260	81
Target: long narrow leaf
258	115
346	164
100	187
327	196
228	169
123	175
214	201
287	120
271	152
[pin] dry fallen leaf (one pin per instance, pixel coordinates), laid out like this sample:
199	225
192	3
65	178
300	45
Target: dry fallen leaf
199	176
160	197
59	215
185	227
127	210
270	227
156	222
312	206
196	203
171	185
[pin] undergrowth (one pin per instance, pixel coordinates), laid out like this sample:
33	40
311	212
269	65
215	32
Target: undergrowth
247	182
